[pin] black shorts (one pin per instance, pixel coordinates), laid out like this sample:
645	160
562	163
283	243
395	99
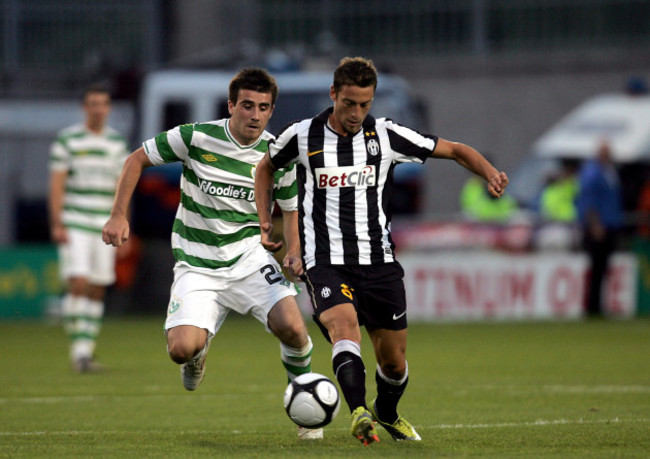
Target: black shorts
377	292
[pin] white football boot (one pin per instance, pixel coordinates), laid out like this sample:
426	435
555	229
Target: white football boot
192	372
305	433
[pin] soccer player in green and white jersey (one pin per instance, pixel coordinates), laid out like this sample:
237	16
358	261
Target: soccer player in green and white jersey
85	163
220	262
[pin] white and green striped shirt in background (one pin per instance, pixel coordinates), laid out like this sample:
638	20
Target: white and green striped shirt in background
93	163
216	222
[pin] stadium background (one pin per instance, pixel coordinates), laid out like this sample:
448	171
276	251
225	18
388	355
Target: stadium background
494	74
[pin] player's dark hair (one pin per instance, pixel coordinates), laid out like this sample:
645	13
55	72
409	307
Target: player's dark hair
95	88
253	79
355	71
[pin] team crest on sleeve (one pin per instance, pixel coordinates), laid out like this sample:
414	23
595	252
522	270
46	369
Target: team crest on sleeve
174	305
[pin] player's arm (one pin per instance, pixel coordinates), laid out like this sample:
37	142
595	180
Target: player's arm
472	160
55	204
116	230
292	260
264	200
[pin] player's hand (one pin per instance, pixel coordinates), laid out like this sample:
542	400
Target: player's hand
116	231
597	230
127	249
59	234
267	233
497	184
293	264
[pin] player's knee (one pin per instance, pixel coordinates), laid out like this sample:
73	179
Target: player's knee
294	335
342	328
394	369
78	286
96	292
180	352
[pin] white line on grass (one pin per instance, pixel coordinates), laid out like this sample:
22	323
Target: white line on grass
40	433
563	388
94	398
46	400
597	389
537	423
558	388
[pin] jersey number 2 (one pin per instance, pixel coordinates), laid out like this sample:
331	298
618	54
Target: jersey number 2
271	275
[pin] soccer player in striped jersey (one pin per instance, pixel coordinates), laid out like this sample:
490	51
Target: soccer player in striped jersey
220	262
85	163
345	160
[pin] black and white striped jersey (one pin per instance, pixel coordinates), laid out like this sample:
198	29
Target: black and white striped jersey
345	186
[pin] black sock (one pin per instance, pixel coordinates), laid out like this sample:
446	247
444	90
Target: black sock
351	375
388	396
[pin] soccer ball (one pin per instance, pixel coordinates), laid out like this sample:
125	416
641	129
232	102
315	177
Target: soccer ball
312	400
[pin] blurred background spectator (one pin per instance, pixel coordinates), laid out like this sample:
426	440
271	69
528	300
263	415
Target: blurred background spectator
601	217
557	209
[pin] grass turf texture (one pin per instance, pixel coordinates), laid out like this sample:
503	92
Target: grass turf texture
579	389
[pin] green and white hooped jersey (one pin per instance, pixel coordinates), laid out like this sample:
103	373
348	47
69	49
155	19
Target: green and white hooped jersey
93	163
216	224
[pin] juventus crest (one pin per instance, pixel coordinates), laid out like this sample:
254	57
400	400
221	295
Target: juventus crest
373	147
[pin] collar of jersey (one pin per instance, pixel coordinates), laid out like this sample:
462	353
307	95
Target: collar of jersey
240	146
323	117
89	132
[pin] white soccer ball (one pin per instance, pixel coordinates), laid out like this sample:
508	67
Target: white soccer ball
312	400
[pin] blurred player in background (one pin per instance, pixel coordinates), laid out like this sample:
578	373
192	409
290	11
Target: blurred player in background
220	263
345	164
85	163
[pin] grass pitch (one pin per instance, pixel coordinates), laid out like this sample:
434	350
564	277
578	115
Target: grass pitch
578	389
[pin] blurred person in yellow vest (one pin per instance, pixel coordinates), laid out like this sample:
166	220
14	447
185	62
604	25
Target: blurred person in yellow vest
479	205
557	209
558	199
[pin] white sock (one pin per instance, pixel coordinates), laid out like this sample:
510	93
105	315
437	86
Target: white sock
393	382
296	361
72	307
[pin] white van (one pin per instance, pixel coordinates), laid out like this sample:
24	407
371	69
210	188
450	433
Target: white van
621	119
173	97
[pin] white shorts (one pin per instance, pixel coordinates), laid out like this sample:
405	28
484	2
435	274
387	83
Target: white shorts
86	255
204	299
